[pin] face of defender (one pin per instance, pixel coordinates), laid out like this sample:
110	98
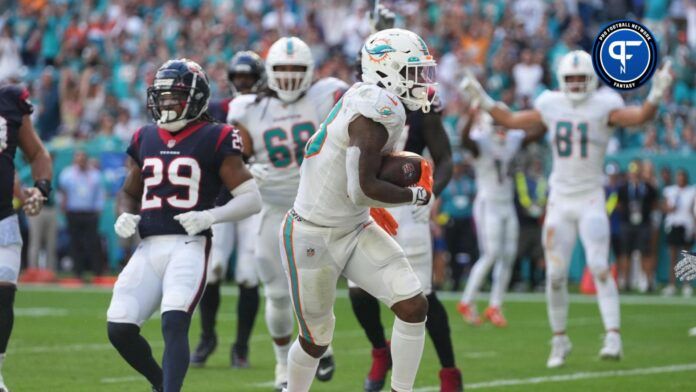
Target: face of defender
243	82
171	104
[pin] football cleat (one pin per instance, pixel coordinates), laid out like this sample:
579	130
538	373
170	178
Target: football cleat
469	313
204	349
239	357
560	348
612	349
281	377
495	316
326	368
451	380
381	363
154	389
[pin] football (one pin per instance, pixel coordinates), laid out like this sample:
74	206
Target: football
401	168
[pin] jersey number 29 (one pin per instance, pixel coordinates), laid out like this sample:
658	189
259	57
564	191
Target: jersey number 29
192	183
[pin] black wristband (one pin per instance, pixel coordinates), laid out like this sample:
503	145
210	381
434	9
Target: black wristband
44	186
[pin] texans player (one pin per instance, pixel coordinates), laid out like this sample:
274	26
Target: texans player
246	75
180	165
16	130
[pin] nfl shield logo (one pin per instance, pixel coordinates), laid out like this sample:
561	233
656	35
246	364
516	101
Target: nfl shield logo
310	252
171	143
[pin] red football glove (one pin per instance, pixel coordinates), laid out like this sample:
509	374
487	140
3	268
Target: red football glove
385	220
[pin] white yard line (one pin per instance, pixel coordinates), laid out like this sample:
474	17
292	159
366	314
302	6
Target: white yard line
629	299
571	377
119	380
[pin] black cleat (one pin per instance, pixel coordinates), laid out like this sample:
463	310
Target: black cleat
326	368
239	357
204	349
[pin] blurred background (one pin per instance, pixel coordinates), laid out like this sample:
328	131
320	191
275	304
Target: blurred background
87	65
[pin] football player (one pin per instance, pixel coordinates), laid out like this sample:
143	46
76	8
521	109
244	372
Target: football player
494	211
16	130
246	75
181	163
580	119
423	130
276	125
329	232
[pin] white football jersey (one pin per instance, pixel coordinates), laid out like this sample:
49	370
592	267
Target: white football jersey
579	135
279	132
492	166
322	197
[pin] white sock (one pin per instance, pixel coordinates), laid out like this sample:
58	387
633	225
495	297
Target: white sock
281	353
501	280
407	344
301	368
557	305
608	300
476	277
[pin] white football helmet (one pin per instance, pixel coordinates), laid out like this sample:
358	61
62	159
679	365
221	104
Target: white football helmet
399	61
289	85
577	63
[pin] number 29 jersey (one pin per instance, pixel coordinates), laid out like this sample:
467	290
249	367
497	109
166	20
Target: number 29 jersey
279	132
579	134
180	172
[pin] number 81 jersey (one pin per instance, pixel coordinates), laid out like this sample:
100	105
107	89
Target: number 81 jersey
279	132
578	134
180	172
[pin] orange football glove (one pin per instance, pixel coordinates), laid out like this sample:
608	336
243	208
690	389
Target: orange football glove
426	177
385	220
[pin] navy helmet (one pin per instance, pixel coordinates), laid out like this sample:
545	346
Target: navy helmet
247	63
179	94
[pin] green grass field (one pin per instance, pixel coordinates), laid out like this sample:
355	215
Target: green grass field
59	344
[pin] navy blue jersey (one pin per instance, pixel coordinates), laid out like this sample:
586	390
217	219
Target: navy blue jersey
14	104
180	172
415	142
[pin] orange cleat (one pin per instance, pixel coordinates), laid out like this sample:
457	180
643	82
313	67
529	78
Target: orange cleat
469	313
495	316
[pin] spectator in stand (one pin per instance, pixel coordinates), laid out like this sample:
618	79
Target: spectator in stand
80	187
679	225
48	113
527	75
637	200
531	190
456	215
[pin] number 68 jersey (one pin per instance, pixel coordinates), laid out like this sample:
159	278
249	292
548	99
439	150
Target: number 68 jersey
279	132
180	172
579	134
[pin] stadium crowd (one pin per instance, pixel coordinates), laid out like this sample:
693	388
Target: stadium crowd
87	64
